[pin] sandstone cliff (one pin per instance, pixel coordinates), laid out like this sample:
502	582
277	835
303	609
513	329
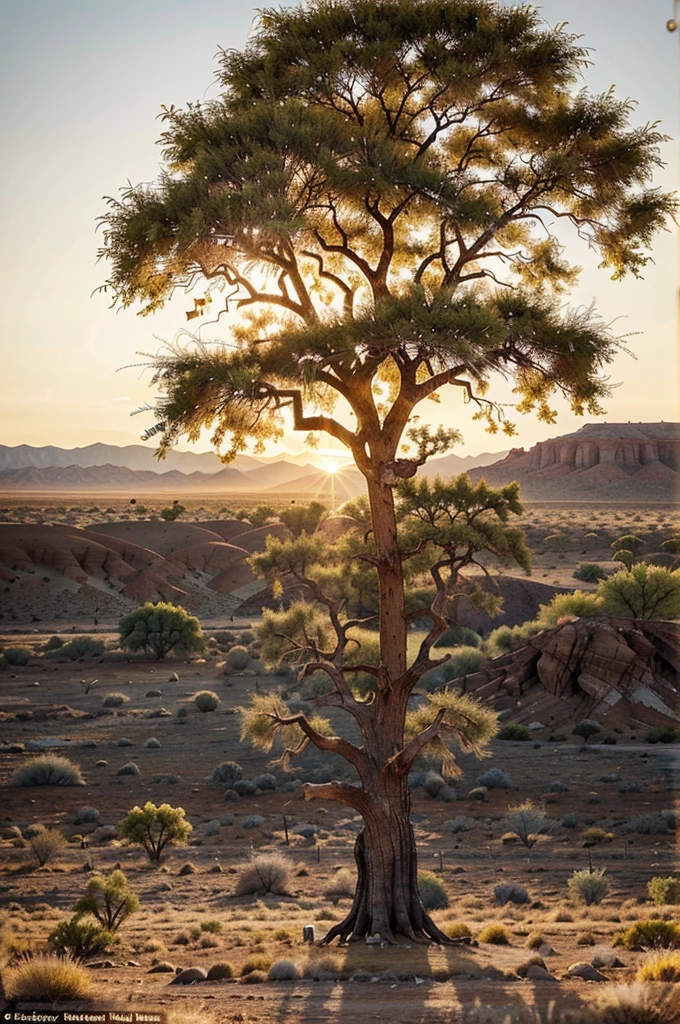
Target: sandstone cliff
602	461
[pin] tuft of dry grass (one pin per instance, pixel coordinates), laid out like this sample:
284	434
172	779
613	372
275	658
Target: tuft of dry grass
661	968
495	935
48	979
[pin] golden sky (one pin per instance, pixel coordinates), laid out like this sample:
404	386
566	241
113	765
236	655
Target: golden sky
81	84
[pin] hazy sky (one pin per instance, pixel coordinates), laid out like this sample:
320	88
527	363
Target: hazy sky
81	83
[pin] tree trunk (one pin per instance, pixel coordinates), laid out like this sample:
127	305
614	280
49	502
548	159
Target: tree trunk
387	901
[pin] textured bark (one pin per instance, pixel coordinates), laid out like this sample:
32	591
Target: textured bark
387	901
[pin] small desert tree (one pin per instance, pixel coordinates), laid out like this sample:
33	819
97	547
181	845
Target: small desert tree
643	592
109	898
154	828
303	518
160	628
375	191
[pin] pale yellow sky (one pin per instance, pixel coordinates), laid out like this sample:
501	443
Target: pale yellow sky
80	87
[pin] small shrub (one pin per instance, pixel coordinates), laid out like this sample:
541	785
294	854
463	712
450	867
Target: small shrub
206	700
588	887
49	770
432	783
663	735
47	979
661	968
238	658
512	731
494	778
526	822
128	769
432	892
322	968
266	781
594	836
343	883
651	825
630	787
535	940
585	939
457	636
586	729
220	972
258	962
495	935
53	644
458	824
114	700
46	843
17	656
79	939
465	661
457	930
589	572
109	899
558	787
265	873
664	890
160	628
652	935
86	816
82	647
228	773
510	892
283	970
154	828
152	743
252	821
638	1004
211	927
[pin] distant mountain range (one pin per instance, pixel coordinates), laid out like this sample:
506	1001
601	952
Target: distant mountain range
101	467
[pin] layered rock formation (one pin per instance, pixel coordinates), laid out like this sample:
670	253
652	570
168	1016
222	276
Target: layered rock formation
623	673
615	461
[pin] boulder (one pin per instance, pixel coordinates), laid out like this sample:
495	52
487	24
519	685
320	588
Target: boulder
190	976
584	971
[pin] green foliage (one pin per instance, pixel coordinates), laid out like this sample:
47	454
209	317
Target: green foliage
154	828
206	700
509	638
49	770
459	636
652	935
513	731
53	644
663	734
589	572
227	773
432	892
463	662
79	939
564	607
588	887
303	518
172	512
160	628
238	657
672	546
17	656
82	647
261	515
109	899
642	592
495	935
526	822
463	720
586	728
629	542
624	556
664	890
661	969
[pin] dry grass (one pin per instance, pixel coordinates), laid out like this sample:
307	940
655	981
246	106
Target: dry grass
48	979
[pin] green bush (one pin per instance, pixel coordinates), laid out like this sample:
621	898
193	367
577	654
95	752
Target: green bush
642	592
664	890
588	887
82	647
589	572
672	546
53	644
49	770
458	636
586	728
206	700
109	899
509	638
651	935
570	606
17	656
160	628
663	734
172	512
629	542
227	773
154	828
495	935
464	662
432	892
512	731
238	658
80	940
652	824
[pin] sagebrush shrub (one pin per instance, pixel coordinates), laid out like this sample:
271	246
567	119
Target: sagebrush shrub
256	962
114	700
651	934
495	778
513	731
220	972
227	773
82	647
510	892
48	979
206	700
432	892
526	822
458	824
46	843
661	968
651	824
588	887
457	930
17	656
343	883
638	1004
265	873
49	770
85	816
495	935
283	970
238	658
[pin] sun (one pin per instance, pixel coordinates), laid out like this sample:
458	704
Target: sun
331	466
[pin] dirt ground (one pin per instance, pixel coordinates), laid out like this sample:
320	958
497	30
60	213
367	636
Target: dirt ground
375	982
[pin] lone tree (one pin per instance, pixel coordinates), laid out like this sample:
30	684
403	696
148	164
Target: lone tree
373	193
154	828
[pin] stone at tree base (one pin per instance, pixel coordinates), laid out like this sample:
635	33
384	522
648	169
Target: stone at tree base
190	976
584	971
